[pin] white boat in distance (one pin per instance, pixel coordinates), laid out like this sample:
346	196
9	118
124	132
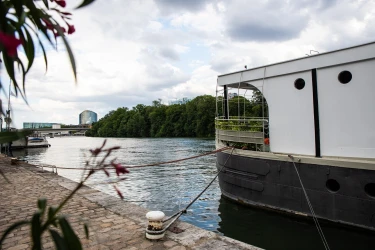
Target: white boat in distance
37	142
31	142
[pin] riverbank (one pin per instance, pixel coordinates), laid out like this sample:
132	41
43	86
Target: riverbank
113	223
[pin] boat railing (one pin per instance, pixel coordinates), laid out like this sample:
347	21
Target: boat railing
243	131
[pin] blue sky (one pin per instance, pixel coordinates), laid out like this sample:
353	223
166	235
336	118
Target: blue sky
132	52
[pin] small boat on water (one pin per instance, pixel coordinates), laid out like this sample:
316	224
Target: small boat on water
317	129
37	142
31	142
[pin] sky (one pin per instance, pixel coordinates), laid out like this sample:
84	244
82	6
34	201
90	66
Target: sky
131	52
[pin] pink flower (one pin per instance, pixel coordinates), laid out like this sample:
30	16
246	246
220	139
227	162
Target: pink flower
71	29
62	3
48	24
97	151
119	169
66	13
10	43
63	30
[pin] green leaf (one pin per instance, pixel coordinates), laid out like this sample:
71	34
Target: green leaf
51	214
44	53
42	203
35	15
67	46
20	64
71	238
85	3
13	136
21	19
36	232
46	3
40	43
86	227
9	66
59	241
29	50
11	228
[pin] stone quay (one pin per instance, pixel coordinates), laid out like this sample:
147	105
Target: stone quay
113	223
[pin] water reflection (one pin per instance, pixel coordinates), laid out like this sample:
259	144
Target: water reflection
171	187
272	230
34	152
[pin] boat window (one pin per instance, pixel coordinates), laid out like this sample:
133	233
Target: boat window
299	83
345	77
332	185
370	189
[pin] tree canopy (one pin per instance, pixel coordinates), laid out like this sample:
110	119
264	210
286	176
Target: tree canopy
193	119
196	118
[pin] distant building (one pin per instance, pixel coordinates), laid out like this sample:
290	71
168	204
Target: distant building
87	117
39	124
180	101
231	95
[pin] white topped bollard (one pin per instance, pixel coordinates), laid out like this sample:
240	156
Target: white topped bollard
154	229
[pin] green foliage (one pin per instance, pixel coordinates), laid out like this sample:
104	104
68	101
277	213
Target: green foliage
193	119
32	25
13	136
240	125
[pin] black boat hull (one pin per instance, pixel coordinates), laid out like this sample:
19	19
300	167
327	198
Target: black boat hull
274	184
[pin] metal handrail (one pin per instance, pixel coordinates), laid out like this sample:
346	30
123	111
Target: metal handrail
242	119
227	124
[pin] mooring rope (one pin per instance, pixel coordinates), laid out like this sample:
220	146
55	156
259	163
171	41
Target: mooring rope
179	213
174	161
151	164
325	243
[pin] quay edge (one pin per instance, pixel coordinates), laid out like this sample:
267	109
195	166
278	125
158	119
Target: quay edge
113	223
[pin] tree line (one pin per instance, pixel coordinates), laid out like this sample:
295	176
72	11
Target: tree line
196	118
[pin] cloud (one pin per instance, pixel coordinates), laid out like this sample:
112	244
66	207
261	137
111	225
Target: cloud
134	52
173	6
264	20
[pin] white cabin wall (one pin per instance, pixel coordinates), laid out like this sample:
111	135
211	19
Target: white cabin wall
361	52
347	111
291	114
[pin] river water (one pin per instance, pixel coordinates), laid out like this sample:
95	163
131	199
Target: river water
171	187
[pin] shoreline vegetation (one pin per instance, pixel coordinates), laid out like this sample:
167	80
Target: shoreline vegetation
196	118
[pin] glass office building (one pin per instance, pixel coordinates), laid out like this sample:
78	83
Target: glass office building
38	124
87	117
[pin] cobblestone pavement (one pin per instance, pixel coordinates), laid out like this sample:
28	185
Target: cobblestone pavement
113	223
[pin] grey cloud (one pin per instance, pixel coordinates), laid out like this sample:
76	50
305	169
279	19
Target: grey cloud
172	6
169	53
270	21
162	77
313	5
263	31
222	65
160	74
229	63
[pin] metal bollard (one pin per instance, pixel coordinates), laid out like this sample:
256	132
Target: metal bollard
154	229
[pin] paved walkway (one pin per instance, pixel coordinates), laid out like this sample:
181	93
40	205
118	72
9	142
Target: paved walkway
113	223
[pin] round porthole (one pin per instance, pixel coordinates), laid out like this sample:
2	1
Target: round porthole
299	83
370	189
345	77
332	185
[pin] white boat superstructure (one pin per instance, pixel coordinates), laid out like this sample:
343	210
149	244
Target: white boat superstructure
320	115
